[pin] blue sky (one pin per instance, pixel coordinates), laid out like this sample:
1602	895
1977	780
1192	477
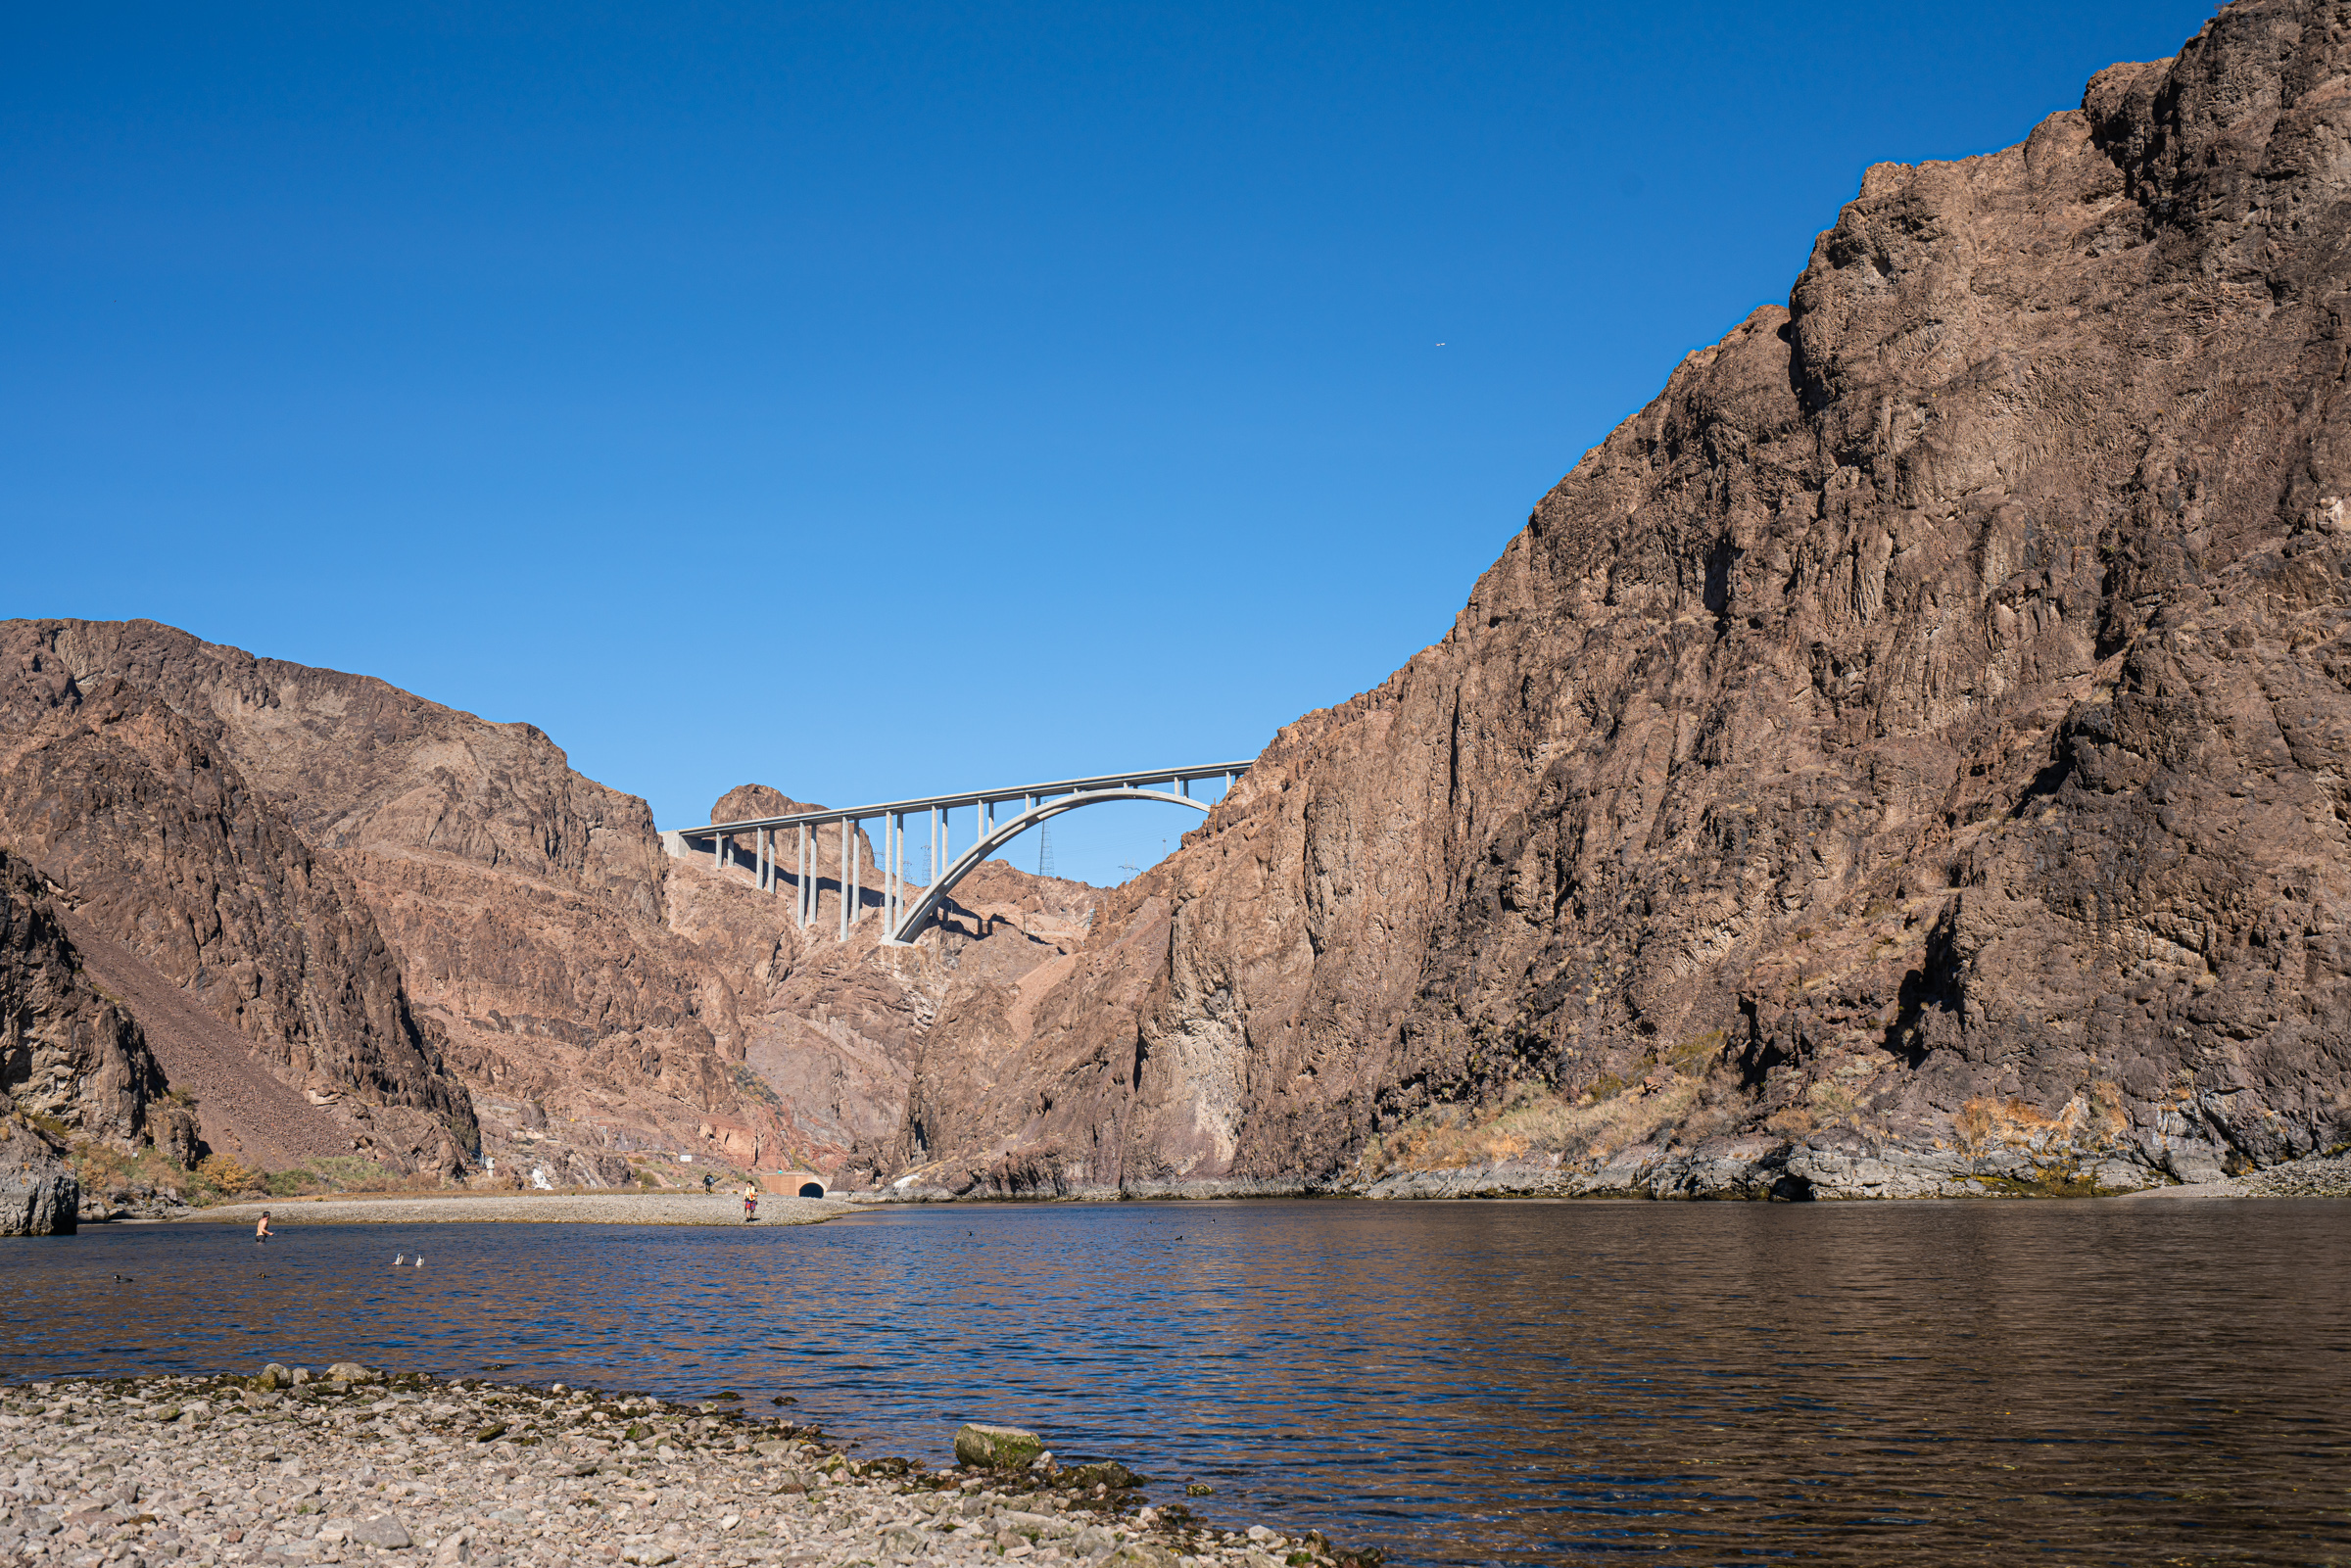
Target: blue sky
880	400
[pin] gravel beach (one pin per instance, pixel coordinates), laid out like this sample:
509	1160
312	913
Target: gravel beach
577	1208
415	1471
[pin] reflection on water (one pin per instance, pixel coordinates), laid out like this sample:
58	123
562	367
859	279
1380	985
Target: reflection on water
1670	1383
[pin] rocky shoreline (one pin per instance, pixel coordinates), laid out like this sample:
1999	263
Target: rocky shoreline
354	1467
1756	1169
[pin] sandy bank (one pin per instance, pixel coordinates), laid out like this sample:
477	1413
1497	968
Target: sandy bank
415	1471
577	1208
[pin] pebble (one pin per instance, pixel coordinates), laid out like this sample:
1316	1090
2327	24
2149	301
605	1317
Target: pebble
412	1472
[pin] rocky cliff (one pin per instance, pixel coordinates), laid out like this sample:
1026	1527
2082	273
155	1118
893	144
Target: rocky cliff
1908	756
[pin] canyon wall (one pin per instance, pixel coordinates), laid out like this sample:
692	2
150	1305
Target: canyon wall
1909	756
353	921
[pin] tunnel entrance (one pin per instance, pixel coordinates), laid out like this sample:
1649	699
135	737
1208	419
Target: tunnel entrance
812	1189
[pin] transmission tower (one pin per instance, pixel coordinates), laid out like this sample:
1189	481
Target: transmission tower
1044	851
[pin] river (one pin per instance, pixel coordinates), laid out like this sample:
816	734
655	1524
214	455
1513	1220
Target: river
1454	1382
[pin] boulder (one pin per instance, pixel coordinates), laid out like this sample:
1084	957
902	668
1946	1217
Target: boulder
382	1530
1140	1554
352	1372
995	1445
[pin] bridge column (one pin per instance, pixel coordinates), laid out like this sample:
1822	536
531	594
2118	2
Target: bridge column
717	848
856	874
760	878
802	911
844	879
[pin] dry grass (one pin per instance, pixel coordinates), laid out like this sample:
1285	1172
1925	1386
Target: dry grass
1534	1121
104	1170
2093	1118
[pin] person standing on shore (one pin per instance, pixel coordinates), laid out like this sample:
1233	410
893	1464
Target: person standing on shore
261	1231
750	1202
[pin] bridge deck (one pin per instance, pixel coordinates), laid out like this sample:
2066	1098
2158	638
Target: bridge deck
1135	780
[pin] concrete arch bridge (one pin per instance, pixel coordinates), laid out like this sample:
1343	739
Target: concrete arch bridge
907	907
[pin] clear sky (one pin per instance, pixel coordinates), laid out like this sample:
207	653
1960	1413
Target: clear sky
880	399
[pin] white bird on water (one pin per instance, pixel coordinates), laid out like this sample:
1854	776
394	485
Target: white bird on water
420	1260
398	1259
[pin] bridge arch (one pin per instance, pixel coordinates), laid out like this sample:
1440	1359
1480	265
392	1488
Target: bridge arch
920	912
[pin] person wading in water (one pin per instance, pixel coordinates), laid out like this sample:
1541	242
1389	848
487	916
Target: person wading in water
261	1231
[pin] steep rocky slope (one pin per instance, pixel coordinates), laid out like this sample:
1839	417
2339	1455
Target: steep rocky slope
160	845
1908	756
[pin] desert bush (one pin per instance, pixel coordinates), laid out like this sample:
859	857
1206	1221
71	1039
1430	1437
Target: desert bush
223	1173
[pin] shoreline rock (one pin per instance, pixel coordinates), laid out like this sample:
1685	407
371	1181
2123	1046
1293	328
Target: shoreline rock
340	1468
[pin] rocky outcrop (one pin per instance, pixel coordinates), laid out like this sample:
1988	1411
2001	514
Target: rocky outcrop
69	1055
40	1194
1908	756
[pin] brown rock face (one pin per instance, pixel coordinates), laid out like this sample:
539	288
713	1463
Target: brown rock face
163	848
1910	753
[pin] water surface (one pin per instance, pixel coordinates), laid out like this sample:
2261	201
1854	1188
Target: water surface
1464	1383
